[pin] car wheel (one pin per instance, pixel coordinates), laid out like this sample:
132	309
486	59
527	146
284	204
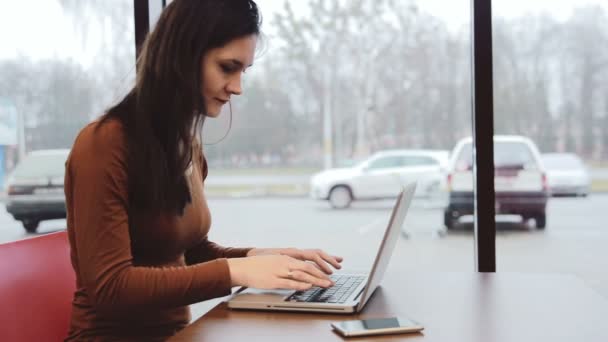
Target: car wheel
340	197
541	221
449	220
30	225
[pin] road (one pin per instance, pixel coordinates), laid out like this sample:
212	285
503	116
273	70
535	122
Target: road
574	241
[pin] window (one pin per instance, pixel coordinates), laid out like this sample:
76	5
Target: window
563	161
465	158
420	161
506	154
386	162
57	76
550	87
331	86
513	154
50	164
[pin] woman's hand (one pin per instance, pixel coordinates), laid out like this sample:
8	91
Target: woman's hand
319	257
274	271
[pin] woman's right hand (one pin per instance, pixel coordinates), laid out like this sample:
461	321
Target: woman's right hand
276	272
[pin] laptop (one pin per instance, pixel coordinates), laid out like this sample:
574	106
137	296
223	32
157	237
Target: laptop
350	292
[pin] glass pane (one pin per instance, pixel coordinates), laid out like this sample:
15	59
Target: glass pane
420	161
386	162
45	164
57	76
550	86
334	86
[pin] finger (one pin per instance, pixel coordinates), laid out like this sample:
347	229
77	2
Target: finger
293	284
294	253
302	254
313	270
308	254
322	264
315	255
332	260
310	279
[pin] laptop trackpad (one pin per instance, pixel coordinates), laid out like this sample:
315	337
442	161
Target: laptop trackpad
263	296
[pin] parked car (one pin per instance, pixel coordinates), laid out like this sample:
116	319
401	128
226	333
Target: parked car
381	176
520	180
567	175
35	188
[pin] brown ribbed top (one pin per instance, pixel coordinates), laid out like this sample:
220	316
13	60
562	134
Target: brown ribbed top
136	274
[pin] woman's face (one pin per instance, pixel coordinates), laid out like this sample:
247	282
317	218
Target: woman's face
222	69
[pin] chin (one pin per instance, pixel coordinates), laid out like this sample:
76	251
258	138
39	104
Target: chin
213	113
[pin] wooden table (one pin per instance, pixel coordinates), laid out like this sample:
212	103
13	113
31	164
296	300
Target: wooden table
451	306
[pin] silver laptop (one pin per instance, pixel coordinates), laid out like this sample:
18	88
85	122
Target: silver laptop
350	292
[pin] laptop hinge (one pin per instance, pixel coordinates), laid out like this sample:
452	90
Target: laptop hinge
360	292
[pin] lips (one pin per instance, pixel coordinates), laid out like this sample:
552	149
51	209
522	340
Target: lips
221	101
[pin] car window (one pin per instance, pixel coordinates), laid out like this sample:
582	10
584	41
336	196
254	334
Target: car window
513	154
465	158
506	154
419	161
562	162
41	166
386	162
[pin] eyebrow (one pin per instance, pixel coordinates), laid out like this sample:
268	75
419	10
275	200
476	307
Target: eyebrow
237	62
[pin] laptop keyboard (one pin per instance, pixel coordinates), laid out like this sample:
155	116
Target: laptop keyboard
344	286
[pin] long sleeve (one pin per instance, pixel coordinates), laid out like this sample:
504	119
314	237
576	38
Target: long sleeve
208	250
96	190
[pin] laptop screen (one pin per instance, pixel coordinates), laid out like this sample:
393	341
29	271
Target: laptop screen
388	242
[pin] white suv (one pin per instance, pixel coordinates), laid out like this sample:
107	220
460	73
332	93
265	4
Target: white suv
381	176
520	181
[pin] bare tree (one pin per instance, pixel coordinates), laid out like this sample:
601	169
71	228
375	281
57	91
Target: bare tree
54	97
586	55
106	28
394	72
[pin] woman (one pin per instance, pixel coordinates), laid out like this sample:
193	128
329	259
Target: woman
137	215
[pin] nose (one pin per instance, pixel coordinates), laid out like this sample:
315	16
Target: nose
234	85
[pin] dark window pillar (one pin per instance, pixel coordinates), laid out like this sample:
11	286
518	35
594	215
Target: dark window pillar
142	23
483	136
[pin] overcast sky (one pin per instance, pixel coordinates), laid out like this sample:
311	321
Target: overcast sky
44	32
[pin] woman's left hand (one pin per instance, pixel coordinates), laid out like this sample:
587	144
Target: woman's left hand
319	257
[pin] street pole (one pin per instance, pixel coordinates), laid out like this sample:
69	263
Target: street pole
327	121
20	135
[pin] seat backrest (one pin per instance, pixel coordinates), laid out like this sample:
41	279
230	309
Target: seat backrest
37	285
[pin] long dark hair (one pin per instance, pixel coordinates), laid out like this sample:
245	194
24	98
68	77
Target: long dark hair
166	106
